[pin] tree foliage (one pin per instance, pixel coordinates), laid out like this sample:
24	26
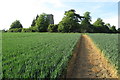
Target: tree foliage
15	30
70	22
100	26
85	23
34	21
52	28
118	30
113	29
42	23
16	24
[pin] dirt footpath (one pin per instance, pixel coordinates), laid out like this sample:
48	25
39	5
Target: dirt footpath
89	62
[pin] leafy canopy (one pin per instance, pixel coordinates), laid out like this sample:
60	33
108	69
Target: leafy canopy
85	23
16	24
70	22
42	23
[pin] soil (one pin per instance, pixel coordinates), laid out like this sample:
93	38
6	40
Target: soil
89	62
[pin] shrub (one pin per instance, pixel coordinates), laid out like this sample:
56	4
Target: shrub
26	30
31	29
52	28
15	30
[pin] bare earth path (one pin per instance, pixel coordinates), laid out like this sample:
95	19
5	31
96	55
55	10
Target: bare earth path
89	62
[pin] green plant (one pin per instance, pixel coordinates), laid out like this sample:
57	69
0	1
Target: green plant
36	55
15	30
108	44
52	28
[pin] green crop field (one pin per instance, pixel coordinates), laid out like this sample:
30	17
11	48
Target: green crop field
108	44
45	55
0	55
41	55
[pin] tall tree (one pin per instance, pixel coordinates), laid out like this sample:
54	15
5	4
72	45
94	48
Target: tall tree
16	24
42	23
70	22
33	22
113	29
99	26
85	23
52	28
108	24
118	30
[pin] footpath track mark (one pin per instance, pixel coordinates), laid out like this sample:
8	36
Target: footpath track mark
89	62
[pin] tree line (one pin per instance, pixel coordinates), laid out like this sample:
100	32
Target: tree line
71	22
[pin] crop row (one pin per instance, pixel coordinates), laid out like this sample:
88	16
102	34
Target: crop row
36	55
108	44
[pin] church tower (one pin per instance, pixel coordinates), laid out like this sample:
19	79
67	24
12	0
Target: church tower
51	19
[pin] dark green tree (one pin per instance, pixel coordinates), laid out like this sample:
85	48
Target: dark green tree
113	29
85	23
16	24
52	28
42	23
33	22
108	24
15	30
118	30
100	27
76	15
108	27
70	22
3	30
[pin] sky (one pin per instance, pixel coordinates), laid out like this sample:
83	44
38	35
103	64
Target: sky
26	10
